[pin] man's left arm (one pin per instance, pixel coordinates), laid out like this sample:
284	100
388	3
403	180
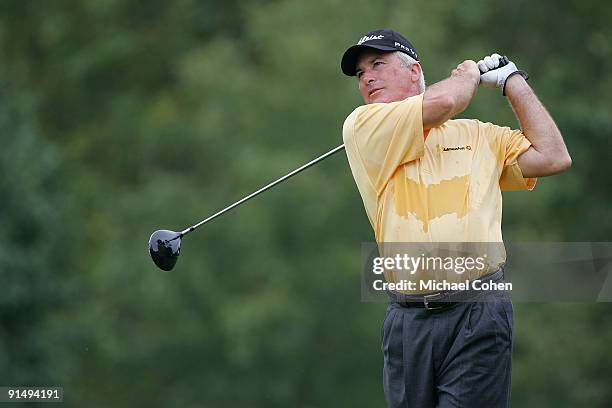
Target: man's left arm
547	154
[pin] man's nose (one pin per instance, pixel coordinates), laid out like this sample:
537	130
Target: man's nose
367	77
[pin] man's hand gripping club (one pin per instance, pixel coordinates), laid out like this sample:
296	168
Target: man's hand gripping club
495	71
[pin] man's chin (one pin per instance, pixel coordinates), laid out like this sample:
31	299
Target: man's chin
382	97
378	99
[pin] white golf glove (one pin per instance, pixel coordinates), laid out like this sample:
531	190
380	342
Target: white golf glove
495	71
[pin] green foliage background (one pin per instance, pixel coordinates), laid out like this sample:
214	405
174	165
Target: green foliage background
121	117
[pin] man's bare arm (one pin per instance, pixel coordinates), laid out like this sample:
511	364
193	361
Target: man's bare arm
451	96
548	154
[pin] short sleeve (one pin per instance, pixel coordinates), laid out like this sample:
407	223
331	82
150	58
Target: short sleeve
509	144
385	136
515	144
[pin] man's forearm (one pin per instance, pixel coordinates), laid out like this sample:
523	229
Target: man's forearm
451	96
536	123
460	86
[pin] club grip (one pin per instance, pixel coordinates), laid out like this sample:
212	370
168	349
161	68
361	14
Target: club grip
502	62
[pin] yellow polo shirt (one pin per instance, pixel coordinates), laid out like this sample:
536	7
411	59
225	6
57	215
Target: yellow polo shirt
445	187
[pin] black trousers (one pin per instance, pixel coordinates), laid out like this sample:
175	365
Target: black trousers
460	356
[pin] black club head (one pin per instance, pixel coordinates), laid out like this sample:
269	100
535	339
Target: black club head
165	247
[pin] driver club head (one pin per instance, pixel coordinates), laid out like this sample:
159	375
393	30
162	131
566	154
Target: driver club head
164	247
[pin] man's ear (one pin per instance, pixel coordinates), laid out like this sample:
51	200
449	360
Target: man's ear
415	72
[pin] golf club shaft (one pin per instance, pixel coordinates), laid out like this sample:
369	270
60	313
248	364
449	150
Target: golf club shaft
261	190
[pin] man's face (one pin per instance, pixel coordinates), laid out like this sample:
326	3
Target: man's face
384	78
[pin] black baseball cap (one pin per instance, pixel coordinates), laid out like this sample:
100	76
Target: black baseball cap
384	40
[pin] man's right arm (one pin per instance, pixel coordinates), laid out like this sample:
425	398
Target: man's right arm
449	97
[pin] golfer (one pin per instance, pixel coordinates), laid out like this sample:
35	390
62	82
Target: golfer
425	177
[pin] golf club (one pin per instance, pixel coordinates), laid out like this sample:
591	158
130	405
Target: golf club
165	245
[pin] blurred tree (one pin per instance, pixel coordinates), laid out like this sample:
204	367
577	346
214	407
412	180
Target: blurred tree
38	244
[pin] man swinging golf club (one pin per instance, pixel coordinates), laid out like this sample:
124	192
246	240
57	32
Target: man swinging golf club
425	177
